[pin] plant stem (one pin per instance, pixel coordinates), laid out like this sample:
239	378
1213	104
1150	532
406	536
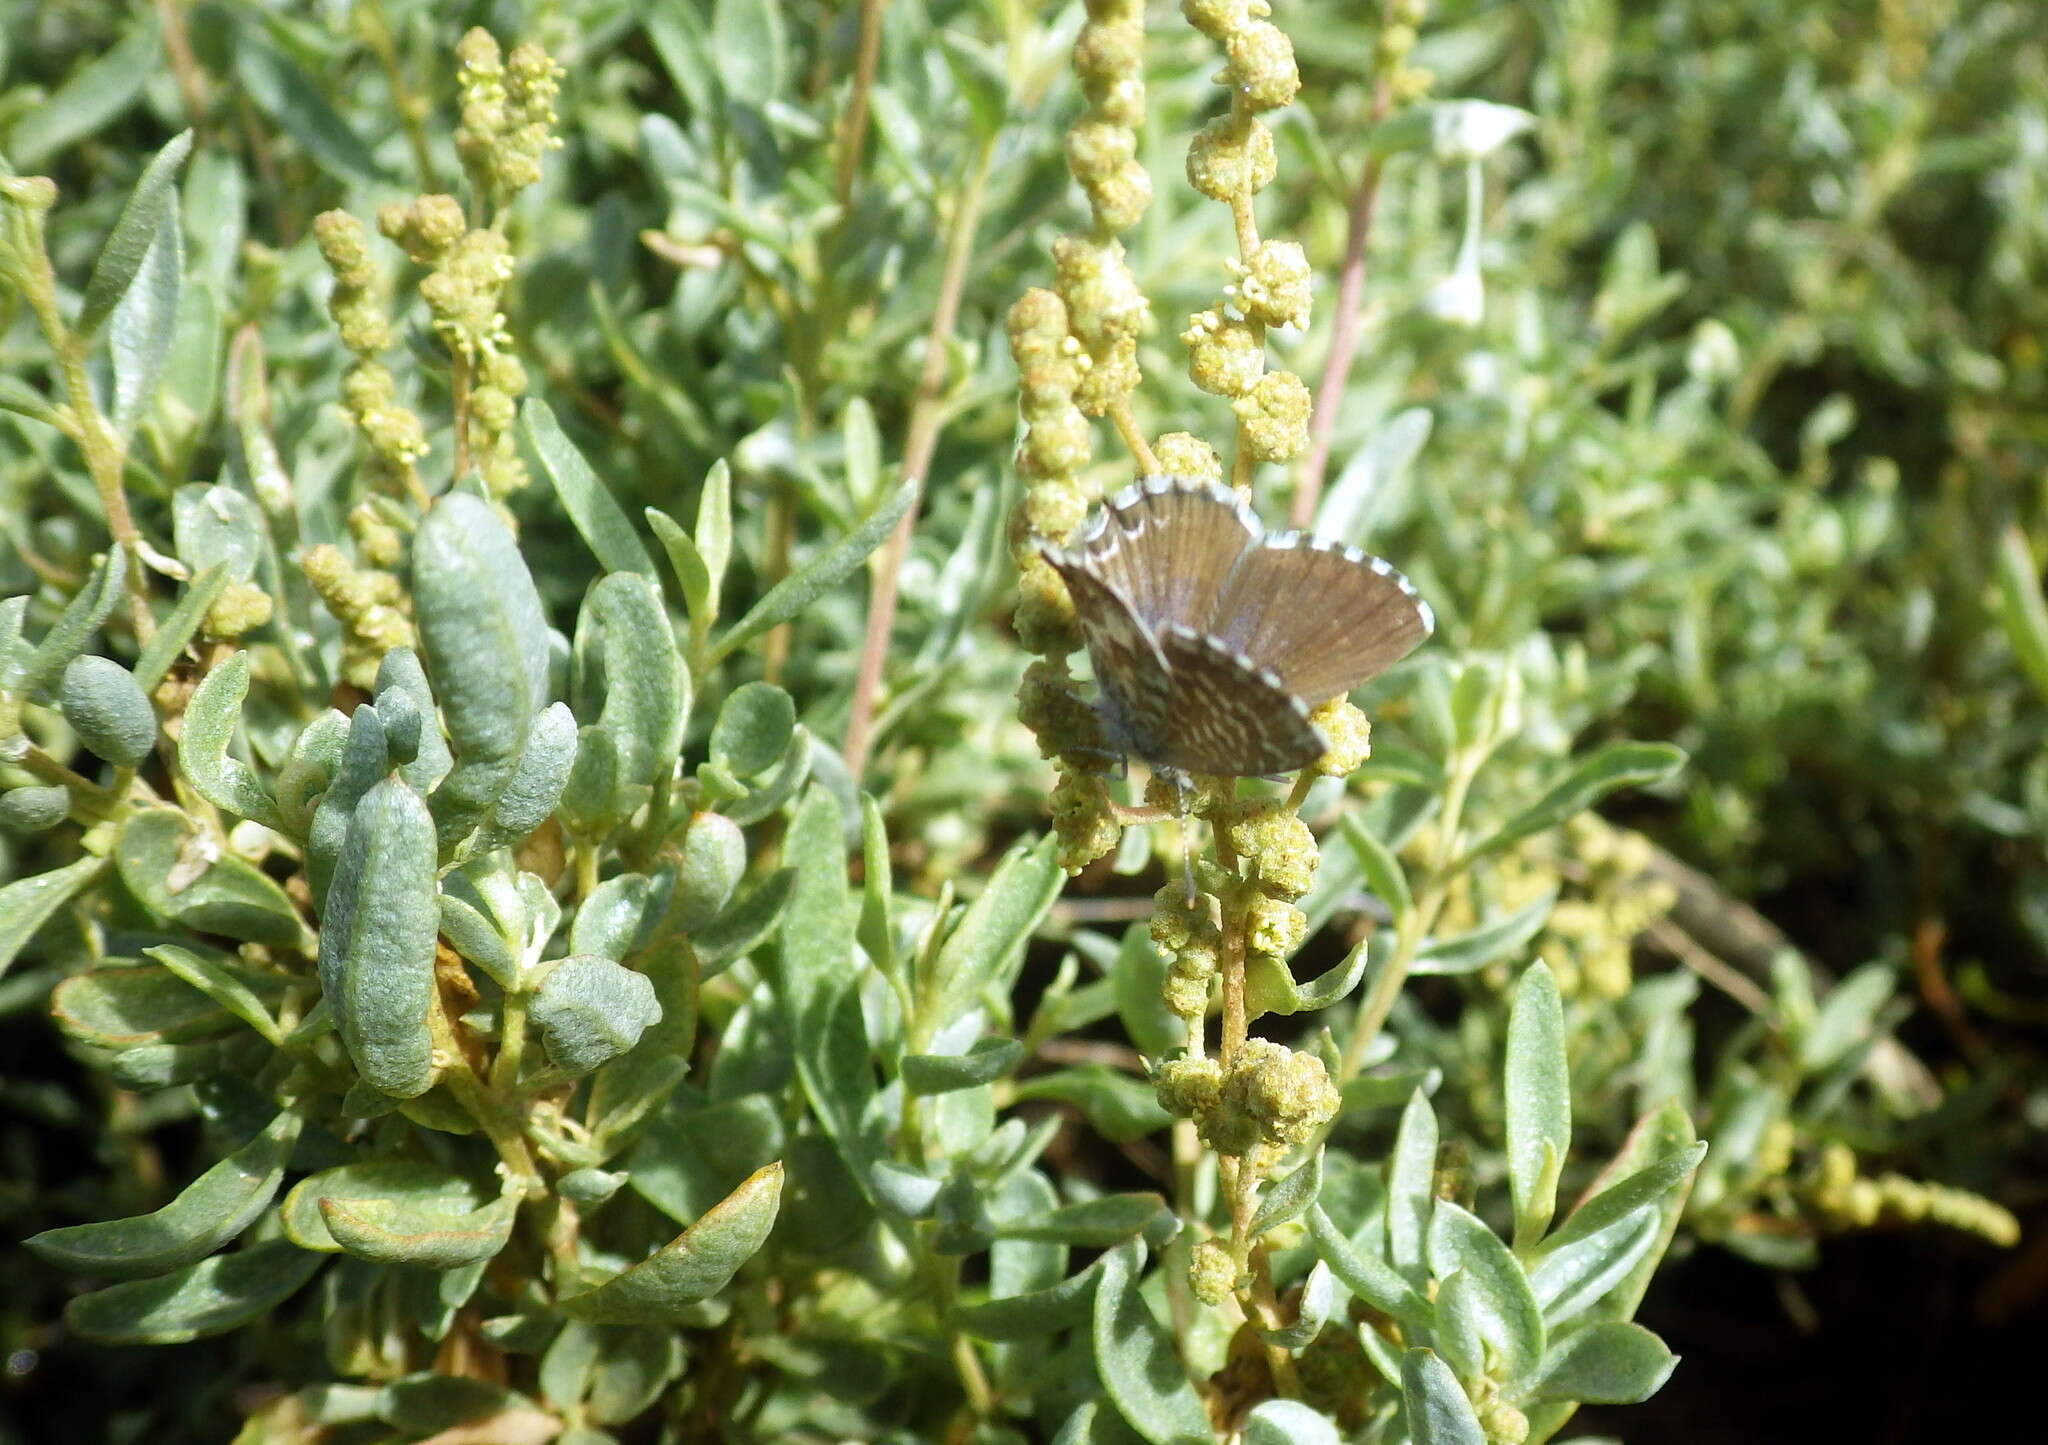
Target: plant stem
920	439
1344	331
867	50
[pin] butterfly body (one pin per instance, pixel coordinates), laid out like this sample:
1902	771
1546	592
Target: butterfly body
1212	639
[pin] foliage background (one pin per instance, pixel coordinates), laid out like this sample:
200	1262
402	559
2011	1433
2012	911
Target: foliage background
1758	391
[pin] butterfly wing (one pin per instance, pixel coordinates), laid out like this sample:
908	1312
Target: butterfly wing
1322	616
1224	715
1168	544
1130	670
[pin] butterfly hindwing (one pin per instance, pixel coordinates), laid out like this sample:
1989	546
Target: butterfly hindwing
1227	715
1130	670
1324	617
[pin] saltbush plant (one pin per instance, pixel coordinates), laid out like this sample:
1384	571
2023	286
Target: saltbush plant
538	904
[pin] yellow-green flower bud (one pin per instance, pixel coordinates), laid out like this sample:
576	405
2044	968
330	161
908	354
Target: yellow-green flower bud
31	193
1212	1276
1178	920
1274	416
1278	847
1057	444
1102	296
425	228
344	246
1185	1087
1112	375
1274	928
1183	454
1231	158
1046	623
1273	284
378	541
1121	198
1218	18
1286	1093
1096	148
1261	67
241	607
1348	733
1225	355
1082	820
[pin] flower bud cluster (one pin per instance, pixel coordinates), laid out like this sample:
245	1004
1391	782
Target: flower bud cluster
1589	939
1843	1199
1187	933
366	603
394	434
508	113
464	290
1266	1096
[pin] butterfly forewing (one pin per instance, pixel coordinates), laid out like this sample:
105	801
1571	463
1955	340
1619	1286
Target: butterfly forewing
1228	716
1324	617
1167	545
1130	669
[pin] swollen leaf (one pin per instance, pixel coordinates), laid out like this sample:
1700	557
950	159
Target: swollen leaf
389	1231
590	1010
402	1188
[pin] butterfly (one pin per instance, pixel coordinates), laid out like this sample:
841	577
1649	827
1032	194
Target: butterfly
1212	638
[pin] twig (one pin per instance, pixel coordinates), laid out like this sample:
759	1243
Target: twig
921	436
1344	332
867	49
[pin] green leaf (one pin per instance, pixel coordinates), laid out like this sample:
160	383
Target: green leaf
27	903
982	952
796	592
1503	938
211	716
178	626
81	618
747	36
1290	1197
1438	1412
1365	1276
1570	1280
1116	1105
1288	1422
1610	767
145	319
590	1010
1384	875
2022	610
143	216
746	923
298	103
1108	1220
209	1212
402	682
1137	977
1510	1320
88	100
1270	986
753	729
1411	1190
714	529
424	1403
987	1061
225	983
876	932
390	1231
1611	1363
626	656
402	1187
1648	1185
711	861
694	1266
863	441
688	565
118	1006
534	787
180	873
1135	1359
1536	1082
1033	1315
597	516
208	1298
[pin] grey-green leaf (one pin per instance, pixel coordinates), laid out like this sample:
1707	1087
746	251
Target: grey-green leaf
987	1061
207	1213
1611	1363
697	1264
590	1010
208	1298
596	515
804	586
1536	1081
1438	1412
27	903
211	716
1511	1321
1135	1359
141	218
1608	768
